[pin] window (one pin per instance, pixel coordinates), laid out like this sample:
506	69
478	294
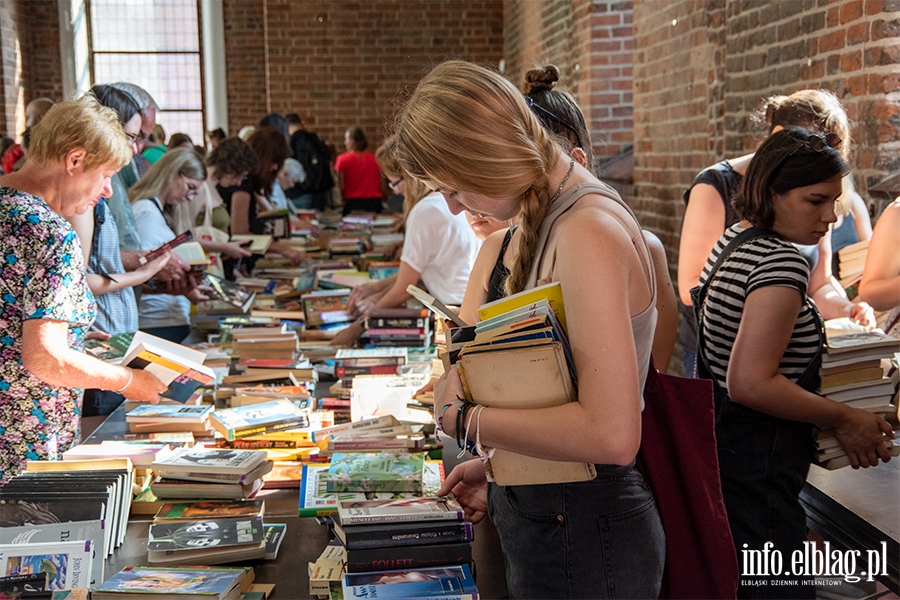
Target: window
154	44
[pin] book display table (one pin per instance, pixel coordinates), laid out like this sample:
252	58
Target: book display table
858	510
303	543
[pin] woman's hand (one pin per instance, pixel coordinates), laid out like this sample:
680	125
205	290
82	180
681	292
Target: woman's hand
468	483
235	249
199	294
348	335
144	386
861	435
863	314
156	265
96	334
357	295
296	257
428	388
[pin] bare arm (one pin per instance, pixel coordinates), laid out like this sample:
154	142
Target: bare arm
828	295
666	305
240	213
101	285
601	294
861	217
704	224
368	290
880	285
753	379
296	257
84	227
46	353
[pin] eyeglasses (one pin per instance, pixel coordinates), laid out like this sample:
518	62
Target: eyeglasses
192	188
395	183
133	138
542	113
818	142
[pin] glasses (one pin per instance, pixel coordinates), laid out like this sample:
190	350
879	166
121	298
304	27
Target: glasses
818	142
542	113
192	188
133	138
395	183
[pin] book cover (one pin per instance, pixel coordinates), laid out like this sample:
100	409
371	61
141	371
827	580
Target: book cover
284	474
205	460
197	511
413	533
206	533
427	583
850	342
13	586
191	490
257	244
169	412
326	306
49	533
407	557
113	349
255	419
428	508
160	580
273	536
376	472
552	292
177	366
67	564
230	292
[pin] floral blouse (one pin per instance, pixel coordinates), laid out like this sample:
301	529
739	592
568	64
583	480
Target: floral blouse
41	277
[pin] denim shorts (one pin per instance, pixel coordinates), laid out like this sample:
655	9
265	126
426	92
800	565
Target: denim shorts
591	539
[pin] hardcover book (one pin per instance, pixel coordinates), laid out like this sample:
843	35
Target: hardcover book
68	564
376	472
203	582
429	583
407	557
255	419
412	533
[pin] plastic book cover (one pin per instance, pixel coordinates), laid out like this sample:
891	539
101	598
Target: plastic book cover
428	582
170	411
67	564
205	534
376	472
163	580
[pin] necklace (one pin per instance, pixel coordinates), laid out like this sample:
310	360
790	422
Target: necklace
563	182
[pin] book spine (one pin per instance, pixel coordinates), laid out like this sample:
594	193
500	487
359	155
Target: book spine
250	430
438	532
371	362
450	515
397	322
341	445
407	557
342	372
243	444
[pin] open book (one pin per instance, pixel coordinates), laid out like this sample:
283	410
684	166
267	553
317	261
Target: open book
179	367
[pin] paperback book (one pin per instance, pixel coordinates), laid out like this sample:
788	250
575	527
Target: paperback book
428	583
376	472
257	419
68	564
428	508
177	366
197	511
212	584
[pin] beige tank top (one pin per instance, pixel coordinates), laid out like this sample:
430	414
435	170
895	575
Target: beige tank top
643	324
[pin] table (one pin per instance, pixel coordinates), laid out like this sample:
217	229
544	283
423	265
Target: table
858	510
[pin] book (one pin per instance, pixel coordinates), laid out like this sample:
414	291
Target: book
67	564
230	292
196	511
181	583
327	571
859	345
284	474
854	376
170	413
141	455
407	557
426	583
273	536
48	533
112	350
326	306
376	472
207	533
523	377
210	461
255	419
14	586
426	508
192	490
413	533
177	366
256	244
552	292
334	431
436	306
171	244
192	253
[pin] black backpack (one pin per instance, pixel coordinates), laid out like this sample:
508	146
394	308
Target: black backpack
313	155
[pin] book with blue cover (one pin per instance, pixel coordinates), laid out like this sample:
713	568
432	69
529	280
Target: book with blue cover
257	419
67	564
376	472
427	583
212	583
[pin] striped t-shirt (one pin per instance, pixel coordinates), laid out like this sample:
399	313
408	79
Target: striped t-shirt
758	263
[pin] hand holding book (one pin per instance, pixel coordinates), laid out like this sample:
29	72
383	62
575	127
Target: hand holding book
142	385
468	483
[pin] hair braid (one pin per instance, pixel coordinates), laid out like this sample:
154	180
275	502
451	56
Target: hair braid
535	203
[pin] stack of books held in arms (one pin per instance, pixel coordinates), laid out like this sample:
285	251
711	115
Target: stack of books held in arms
858	369
210	473
519	358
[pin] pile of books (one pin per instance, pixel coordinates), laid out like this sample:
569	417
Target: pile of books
211	533
154	418
851	261
855	371
350	362
398	327
264	341
210	473
71	514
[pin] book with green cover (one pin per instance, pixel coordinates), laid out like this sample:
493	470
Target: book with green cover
376	472
113	349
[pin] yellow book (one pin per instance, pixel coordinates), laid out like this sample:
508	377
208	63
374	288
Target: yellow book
552	292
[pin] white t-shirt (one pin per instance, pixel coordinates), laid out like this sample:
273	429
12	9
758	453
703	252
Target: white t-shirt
157	310
441	246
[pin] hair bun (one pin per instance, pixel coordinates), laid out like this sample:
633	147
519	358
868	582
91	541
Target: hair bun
542	79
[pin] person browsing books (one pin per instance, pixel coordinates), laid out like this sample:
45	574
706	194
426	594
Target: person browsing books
46	304
760	340
468	133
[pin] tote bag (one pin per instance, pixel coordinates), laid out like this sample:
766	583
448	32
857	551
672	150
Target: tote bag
208	233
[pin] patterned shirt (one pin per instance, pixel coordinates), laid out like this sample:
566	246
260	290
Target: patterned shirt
41	277
758	263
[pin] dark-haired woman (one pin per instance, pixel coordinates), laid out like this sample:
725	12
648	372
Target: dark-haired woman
358	174
760	341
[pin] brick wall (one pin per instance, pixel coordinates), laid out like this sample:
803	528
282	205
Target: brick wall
13	70
702	66
44	66
591	42
339	64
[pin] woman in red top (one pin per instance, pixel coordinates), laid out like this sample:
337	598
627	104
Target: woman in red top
358	173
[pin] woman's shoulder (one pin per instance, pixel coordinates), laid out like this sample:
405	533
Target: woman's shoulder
24	209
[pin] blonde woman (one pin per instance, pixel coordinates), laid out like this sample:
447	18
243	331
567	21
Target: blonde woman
468	133
46	306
